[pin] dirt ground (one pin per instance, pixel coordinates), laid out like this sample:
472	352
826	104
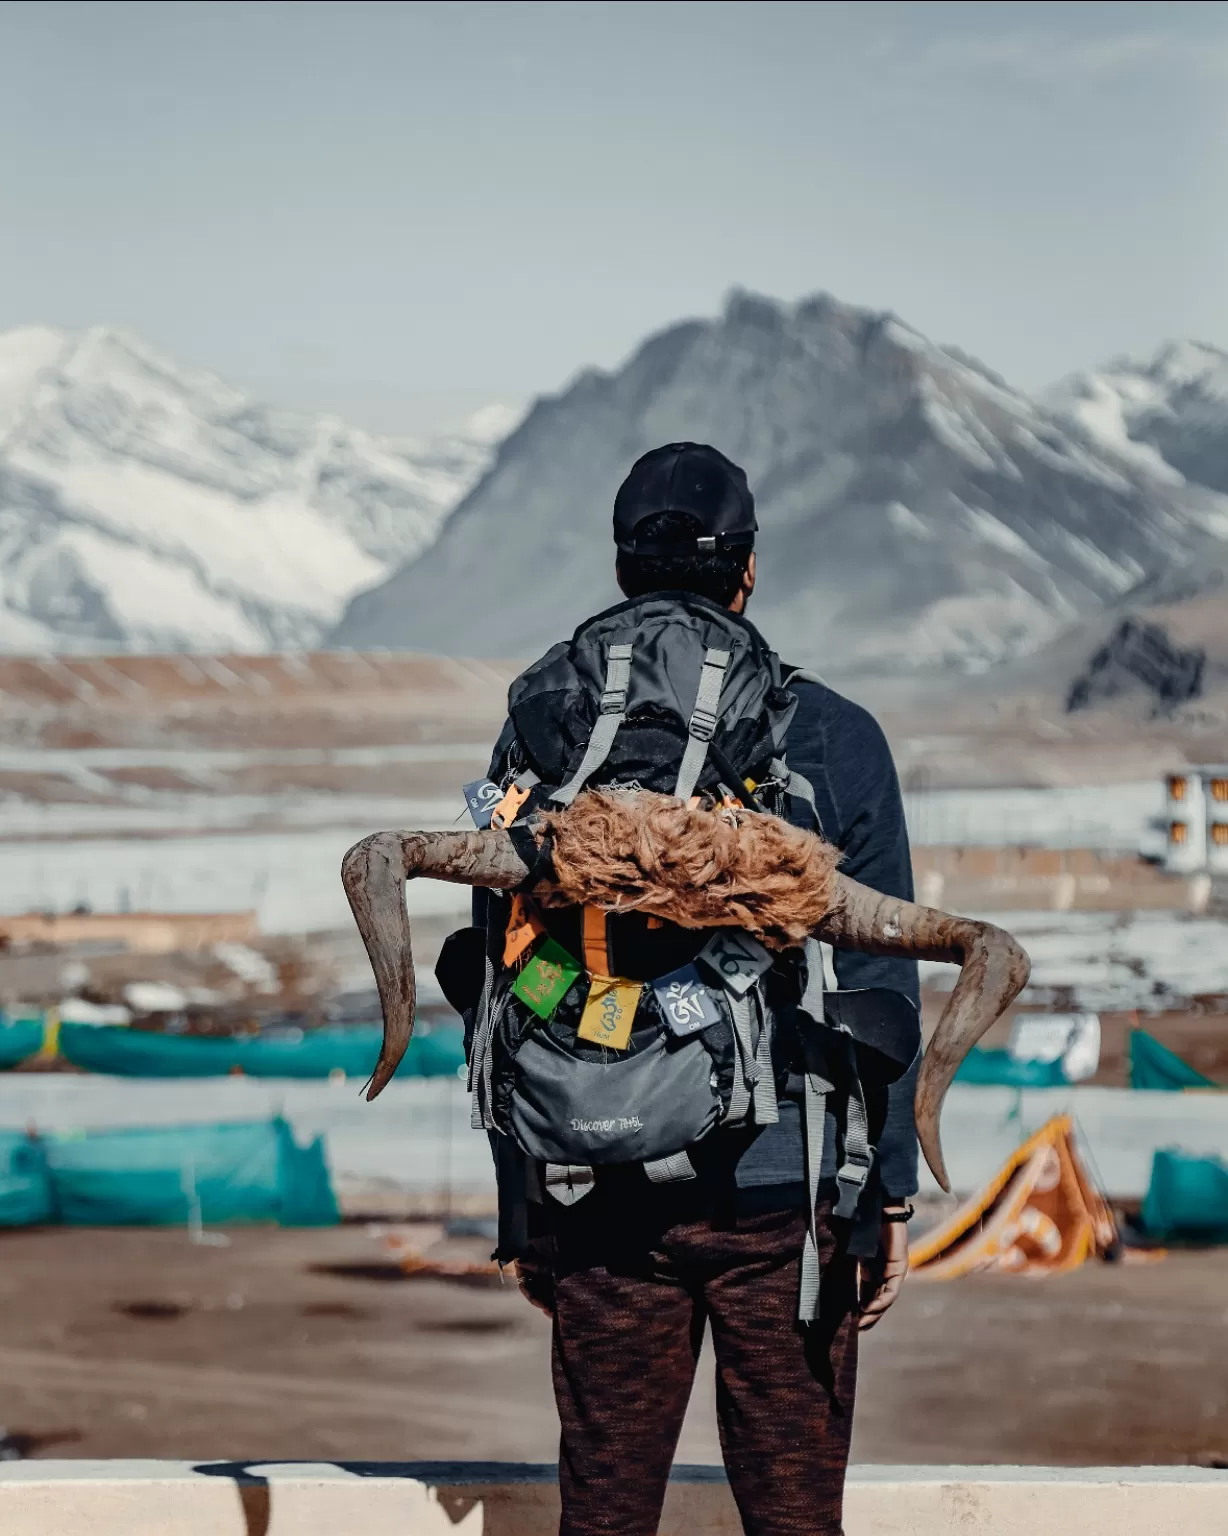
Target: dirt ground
307	1345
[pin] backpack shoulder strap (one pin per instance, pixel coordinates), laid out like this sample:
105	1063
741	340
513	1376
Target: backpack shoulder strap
797	784
702	724
800	787
612	713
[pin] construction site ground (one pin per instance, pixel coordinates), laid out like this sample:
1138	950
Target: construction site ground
311	1345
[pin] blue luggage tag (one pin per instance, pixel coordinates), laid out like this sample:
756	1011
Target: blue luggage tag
481	797
685	1002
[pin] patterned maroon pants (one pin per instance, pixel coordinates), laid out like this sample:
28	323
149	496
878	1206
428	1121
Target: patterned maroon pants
637	1276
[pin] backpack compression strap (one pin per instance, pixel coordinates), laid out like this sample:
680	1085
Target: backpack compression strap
702	723
824	1063
800	787
613	713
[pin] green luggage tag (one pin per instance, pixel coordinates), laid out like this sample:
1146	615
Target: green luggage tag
545	979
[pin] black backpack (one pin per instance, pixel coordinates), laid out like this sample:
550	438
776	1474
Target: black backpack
611	1039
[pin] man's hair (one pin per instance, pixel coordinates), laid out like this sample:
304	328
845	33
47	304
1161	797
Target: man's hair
716	574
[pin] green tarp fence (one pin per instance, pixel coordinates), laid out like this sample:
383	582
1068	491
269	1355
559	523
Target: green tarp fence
19	1040
166	1176
25	1188
1154	1067
999	1069
122	1052
1187	1198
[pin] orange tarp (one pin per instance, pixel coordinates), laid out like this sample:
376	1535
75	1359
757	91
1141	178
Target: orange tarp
1039	1215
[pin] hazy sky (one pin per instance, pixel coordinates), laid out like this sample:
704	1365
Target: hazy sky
401	211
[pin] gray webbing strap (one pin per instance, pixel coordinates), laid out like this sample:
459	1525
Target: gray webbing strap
702	722
812	993
568	1182
855	1169
815	1099
801	788
767	1108
605	728
797	785
670	1170
857	1155
744	1058
815	1095
481	1072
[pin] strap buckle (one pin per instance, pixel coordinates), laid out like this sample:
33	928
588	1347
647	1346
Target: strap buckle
702	724
852	1178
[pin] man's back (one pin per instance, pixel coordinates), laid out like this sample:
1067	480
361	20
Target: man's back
841	749
635	1269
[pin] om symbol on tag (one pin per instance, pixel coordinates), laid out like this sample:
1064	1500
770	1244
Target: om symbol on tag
481	797
685	1002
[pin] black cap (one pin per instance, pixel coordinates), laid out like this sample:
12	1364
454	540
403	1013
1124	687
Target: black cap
686	477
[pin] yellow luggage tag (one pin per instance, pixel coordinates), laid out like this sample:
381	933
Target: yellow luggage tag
610	1012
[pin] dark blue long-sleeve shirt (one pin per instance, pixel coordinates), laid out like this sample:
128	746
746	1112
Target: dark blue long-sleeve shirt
841	749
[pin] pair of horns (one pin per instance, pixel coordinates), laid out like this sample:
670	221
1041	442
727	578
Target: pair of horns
993	968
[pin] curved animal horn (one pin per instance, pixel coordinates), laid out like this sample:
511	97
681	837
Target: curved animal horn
374	873
993	971
993	967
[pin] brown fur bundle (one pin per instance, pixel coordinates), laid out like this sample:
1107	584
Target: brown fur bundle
700	868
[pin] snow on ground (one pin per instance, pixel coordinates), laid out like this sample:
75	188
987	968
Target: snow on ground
146	505
1117	817
291	878
201	813
1116	960
279	852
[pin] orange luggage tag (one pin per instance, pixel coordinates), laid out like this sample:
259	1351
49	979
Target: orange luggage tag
507	810
523	927
596	952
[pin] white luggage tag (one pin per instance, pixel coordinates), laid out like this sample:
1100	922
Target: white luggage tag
686	1004
481	797
736	958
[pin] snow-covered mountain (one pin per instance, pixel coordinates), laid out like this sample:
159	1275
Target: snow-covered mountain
148	506
915	509
1169	411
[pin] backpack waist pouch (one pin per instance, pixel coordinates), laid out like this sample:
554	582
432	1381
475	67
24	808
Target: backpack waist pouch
634	1108
884	1029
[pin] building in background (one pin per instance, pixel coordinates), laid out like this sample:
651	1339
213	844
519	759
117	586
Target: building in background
1197	834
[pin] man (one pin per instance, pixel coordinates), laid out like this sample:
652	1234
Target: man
634	1273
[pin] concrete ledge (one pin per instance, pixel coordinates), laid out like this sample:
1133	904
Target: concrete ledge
154	1498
